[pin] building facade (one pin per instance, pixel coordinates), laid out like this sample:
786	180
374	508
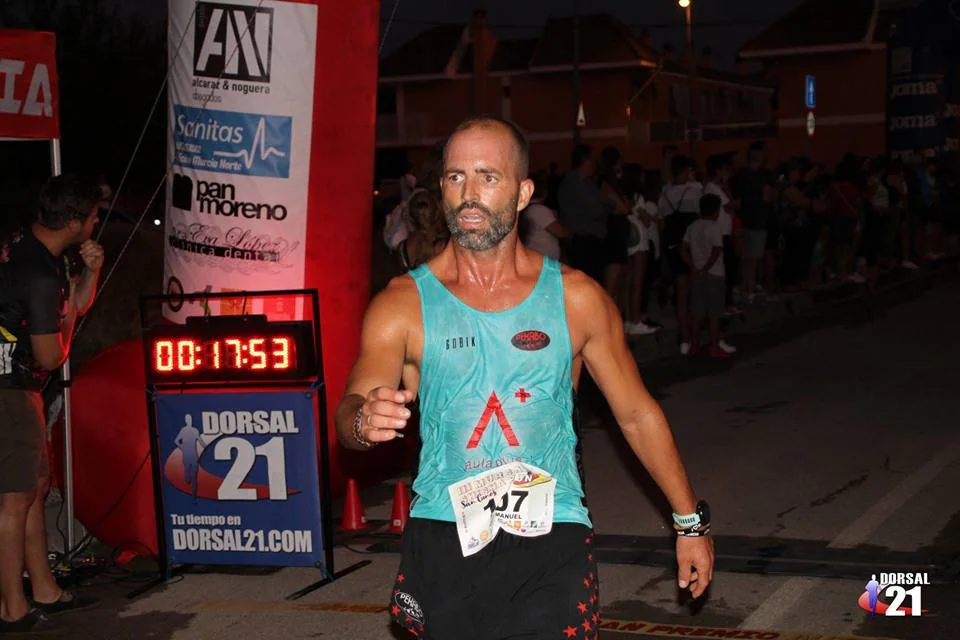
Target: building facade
844	47
634	97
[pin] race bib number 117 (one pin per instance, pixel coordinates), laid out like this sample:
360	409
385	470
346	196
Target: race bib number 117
516	497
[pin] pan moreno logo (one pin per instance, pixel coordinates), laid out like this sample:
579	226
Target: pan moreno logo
231	142
221	199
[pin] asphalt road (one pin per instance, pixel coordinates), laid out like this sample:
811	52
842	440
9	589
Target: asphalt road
827	455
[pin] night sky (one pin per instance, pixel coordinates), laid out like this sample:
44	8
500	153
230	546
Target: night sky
721	24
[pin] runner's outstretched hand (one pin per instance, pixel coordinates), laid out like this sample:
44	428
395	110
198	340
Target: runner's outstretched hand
384	414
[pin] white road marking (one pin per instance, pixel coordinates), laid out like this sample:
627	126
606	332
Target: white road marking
772	610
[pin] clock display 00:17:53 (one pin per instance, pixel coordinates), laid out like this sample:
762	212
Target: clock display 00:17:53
183	355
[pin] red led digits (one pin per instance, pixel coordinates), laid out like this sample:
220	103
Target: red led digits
281	353
163	355
257	353
186	355
206	356
235	343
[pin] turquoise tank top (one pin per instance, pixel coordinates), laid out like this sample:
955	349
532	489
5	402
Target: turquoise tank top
496	387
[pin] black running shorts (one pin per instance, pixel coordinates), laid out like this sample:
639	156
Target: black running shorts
529	588
23	444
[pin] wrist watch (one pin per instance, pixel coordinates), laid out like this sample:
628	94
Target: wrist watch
696	523
358	430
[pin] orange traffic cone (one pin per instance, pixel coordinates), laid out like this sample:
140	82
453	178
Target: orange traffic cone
401	508
353	516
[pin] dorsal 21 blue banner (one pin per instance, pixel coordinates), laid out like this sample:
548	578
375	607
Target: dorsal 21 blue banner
240	481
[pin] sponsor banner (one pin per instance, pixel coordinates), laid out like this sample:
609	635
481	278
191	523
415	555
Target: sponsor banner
950	123
239	478
29	95
915	102
240	128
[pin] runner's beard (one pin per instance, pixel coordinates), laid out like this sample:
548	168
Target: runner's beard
499	224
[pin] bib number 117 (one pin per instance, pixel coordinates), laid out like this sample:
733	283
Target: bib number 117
517	496
246	457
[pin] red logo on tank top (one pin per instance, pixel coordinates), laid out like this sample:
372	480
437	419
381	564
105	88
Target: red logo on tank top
531	340
494	408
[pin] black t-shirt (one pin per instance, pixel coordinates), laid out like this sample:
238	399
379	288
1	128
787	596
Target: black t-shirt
33	301
750	186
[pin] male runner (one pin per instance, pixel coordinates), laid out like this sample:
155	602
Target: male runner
492	337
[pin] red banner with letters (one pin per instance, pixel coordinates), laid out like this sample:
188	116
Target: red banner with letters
29	96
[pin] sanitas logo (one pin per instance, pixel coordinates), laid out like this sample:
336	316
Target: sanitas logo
220	198
233	41
232	142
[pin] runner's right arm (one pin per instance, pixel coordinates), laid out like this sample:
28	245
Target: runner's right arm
372	387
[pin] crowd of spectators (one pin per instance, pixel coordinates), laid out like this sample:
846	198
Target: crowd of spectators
712	240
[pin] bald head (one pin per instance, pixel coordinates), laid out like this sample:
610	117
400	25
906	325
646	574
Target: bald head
511	132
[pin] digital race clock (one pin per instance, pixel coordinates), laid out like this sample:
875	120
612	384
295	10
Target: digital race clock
230	348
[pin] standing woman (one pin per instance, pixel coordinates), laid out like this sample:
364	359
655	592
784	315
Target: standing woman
428	231
679	206
876	199
614	199
539	226
846	205
719	171
799	232
642	254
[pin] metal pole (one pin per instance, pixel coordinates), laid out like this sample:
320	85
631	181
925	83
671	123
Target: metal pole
57	168
692	77
576	71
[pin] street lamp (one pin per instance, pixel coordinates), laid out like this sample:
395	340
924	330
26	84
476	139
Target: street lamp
576	72
694	112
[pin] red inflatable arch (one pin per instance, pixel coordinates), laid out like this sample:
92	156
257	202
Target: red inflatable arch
108	404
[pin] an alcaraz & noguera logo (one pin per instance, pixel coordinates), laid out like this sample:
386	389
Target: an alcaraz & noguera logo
220	198
246	144
233	41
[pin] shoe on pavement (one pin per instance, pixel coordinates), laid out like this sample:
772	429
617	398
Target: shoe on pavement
857	278
35	623
68	602
908	264
638	328
728	348
684	348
